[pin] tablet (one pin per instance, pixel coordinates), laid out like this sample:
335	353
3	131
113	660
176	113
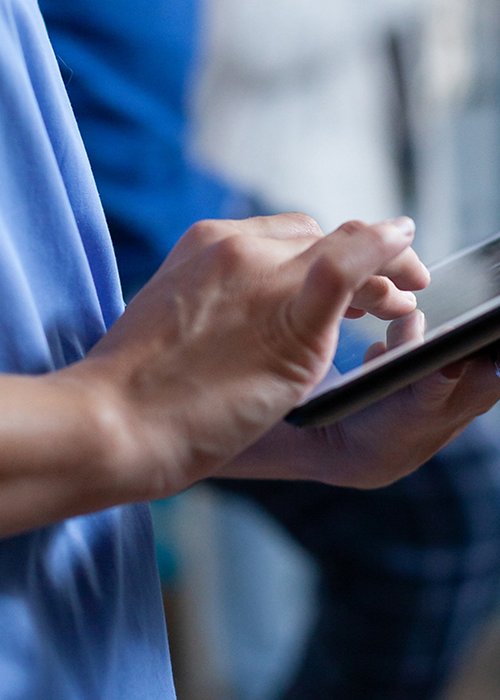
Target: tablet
457	314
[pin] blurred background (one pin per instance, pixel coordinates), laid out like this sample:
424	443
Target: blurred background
342	109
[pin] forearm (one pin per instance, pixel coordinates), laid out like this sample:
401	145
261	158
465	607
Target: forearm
64	451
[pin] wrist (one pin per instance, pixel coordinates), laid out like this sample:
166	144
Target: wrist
132	453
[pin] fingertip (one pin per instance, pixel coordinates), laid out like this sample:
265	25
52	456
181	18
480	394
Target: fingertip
404	225
454	371
424	279
375	350
436	388
409	298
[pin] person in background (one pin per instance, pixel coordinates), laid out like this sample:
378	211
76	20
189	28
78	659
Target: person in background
393	619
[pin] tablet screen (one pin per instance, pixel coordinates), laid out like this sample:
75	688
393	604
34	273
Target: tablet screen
464	288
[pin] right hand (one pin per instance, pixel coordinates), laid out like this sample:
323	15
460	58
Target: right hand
236	327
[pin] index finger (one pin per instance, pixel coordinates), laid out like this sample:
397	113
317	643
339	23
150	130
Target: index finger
407	271
340	264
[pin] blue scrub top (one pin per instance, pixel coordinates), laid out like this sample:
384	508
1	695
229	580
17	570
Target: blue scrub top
80	605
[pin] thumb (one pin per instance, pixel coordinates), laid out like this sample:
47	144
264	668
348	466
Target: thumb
436	388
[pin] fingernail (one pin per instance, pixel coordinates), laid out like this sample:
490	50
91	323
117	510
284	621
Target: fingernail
404	224
420	320
425	270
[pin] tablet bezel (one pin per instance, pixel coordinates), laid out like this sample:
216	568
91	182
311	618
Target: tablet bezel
407	366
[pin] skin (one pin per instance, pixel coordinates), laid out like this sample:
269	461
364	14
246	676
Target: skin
237	326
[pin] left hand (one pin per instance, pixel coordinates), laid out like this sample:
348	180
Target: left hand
383	442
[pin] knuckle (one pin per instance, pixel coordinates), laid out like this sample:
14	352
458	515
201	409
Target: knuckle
307	225
378	241
233	251
204	231
353	226
380	234
375	235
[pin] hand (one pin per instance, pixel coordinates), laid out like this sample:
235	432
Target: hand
233	331
383	442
